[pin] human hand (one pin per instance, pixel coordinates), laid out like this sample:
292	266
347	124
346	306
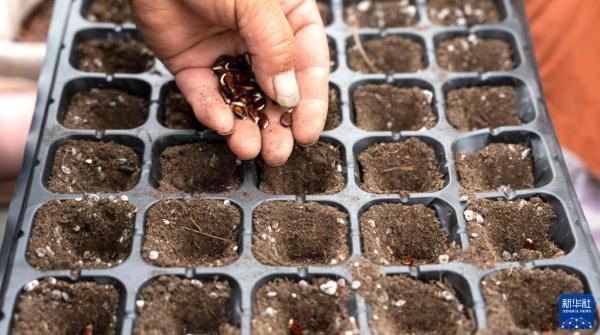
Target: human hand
290	57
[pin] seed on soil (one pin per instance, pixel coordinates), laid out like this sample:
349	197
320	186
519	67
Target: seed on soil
381	14
200	167
105	108
309	170
385	107
87	304
88	330
112	56
390	54
468	12
71	174
174	305
293	233
191	239
475	55
69	234
494	166
468	110
294	328
403	235
116	11
178	113
512	292
406	166
313	310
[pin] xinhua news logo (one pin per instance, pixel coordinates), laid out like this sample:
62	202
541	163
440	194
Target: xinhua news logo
576	311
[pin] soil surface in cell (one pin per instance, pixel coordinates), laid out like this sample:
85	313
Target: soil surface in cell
325	11
521	301
110	56
510	231
473	54
332	54
297	234
316	169
399	167
496	166
117	11
82	166
398	234
34	27
88	233
171	305
190	233
105	108
56	307
334	113
309	308
463	12
386	55
384	107
404	305
201	167
179	113
482	107
381	13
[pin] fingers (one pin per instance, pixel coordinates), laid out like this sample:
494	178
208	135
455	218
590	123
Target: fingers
277	141
200	88
245	142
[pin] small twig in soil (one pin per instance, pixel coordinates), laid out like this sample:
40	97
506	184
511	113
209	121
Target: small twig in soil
362	51
399	168
204	234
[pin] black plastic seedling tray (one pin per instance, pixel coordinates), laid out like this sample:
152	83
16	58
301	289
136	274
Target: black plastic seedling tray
60	80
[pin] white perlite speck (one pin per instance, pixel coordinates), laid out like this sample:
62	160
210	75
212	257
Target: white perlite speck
123	197
153	255
31	285
271	294
355	285
340	220
140	303
364	5
428	96
469	215
227	202
270	311
329	288
399	303
371	223
339	168
464	198
167	222
443	259
479	218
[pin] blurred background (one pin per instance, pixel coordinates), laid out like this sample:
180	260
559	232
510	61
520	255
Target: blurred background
565	40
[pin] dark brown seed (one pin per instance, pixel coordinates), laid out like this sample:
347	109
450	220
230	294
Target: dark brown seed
294	328
263	120
407	260
225	98
529	244
243	78
88	330
239	111
252	113
286	119
229	80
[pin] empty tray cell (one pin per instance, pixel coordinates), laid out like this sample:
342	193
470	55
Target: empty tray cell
116	11
380	13
405	234
475	54
407	166
173	305
334	113
175	111
522	301
333	62
319	306
102	51
472	108
190	233
385	107
315	169
300	233
463	12
325	11
509	231
82	233
90	166
55	307
200	167
430	305
389	54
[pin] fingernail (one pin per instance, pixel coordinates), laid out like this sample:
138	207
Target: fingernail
309	144
287	93
226	133
278	164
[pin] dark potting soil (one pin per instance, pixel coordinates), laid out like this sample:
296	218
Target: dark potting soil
83	233
482	107
87	166
200	167
325	11
315	169
381	13
384	107
105	108
332	54
334	114
171	305
111	56
297	234
117	11
522	301
398	234
407	166
474	54
463	12
386	55
178	113
320	306
510	231
56	307
34	28
190	233
496	166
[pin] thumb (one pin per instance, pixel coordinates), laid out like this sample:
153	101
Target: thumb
270	41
